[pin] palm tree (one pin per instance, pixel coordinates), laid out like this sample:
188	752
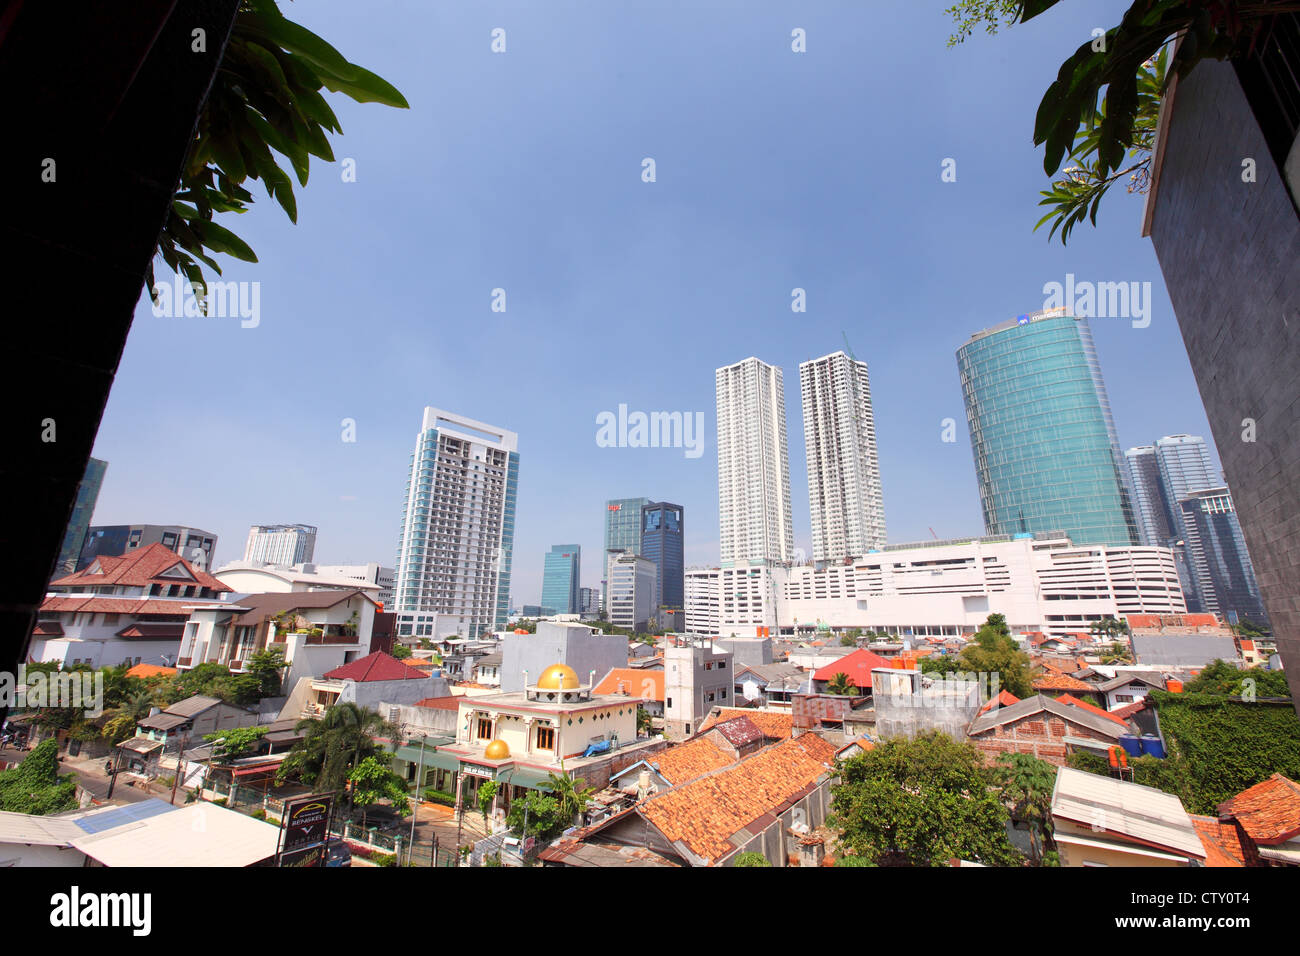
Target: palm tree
840	685
571	794
334	744
119	722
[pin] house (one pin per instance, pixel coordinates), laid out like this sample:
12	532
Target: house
697	676
316	631
487	670
1265	820
768	684
674	766
764	804
1102	821
1129	687
121	610
181	725
1044	728
645	685
857	666
776	724
368	682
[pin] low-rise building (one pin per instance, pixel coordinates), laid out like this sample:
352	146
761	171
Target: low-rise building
1103	821
1045	728
368	682
697	677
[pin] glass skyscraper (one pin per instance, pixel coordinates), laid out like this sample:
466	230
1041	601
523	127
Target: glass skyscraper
661	542
560	579
1046	453
458	527
1225	579
623	524
79	523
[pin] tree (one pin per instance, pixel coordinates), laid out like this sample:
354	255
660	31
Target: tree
841	685
373	780
751	859
487	792
994	651
266	666
34	786
265	97
920	802
644	722
1098	132
401	651
571	794
1027	783
333	745
853	861
538	815
119	722
236	742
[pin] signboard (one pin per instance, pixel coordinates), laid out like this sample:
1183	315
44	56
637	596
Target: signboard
305	828
477	771
615	507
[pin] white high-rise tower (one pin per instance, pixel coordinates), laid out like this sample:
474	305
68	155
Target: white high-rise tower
458	526
753	464
848	512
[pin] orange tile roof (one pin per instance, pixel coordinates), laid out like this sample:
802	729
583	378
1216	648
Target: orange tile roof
777	725
692	759
128	605
638	682
705	813
140	568
440	703
1222	845
150	670
1269	812
1004	699
1060	682
1092	708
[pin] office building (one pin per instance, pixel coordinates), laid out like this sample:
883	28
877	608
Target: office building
286	544
703	593
1047	458
560	579
458	525
623	524
372	573
753	464
631	591
844	494
193	544
1225	580
662	543
590	602
74	539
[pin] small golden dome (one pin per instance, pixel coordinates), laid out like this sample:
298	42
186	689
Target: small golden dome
497	750
558	677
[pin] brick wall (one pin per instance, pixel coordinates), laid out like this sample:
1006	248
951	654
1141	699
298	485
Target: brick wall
1041	735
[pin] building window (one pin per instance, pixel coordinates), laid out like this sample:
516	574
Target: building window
484	728
1124	698
669	702
545	738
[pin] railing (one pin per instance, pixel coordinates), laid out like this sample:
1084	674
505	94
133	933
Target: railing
332	639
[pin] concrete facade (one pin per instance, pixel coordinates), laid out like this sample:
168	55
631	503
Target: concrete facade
583	648
1230	254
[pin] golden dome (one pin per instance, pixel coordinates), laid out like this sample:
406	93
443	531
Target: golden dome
497	750
558	677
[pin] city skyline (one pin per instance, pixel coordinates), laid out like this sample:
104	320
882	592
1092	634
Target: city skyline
693	256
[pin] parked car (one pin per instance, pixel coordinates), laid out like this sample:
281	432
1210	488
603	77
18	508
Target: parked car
338	854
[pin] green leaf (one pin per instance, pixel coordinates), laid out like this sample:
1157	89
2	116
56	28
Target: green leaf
220	239
367	88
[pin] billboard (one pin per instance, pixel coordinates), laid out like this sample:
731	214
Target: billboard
305	829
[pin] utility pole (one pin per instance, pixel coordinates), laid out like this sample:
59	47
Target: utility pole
180	765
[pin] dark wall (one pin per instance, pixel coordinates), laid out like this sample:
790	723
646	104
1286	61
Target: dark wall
1230	254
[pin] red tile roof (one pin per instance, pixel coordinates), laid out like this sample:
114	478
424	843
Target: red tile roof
1269	812
707	812
1093	708
638	682
140	607
738	731
1128	710
375	667
150	670
690	760
1060	682
140	568
776	725
1221	842
1004	699
857	666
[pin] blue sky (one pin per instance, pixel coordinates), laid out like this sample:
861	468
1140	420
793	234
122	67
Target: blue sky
522	171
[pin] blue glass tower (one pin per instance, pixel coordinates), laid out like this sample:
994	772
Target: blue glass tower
1046	453
661	542
560	579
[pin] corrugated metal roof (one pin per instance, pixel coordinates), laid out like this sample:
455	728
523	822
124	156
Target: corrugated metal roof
1128	809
